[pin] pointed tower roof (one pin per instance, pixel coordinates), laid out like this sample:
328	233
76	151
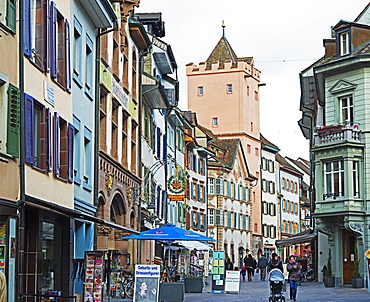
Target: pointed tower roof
222	52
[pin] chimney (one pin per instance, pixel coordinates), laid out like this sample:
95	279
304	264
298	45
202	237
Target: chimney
330	48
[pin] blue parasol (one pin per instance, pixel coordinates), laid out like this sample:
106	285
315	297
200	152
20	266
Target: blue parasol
169	233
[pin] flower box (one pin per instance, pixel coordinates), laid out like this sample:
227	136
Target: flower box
193	284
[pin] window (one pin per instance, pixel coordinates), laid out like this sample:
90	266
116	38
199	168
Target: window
256	152
251	126
247	90
249	148
229	88
103	121
114	129
63	148
200	90
211	186
88	160
125	119
284	205
346	104
256	95
344	43
334	179
215	122
211	216
77	52
89	67
355	180
8	13
180	140
38	134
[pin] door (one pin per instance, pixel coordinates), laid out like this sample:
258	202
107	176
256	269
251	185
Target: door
349	241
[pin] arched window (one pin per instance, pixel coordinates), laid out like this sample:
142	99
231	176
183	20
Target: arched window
117	210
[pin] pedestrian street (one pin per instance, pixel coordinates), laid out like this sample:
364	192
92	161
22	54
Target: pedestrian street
259	291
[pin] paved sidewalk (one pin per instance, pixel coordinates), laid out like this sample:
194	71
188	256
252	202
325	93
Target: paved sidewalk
259	291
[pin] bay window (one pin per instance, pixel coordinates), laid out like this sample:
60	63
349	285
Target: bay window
334	179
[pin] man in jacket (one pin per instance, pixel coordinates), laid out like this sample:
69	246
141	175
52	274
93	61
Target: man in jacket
262	263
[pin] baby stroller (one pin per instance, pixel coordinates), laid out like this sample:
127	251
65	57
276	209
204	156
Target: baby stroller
277	285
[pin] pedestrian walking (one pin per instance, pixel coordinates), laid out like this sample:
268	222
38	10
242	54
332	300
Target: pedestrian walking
254	266
229	265
294	271
243	272
250	264
274	263
262	264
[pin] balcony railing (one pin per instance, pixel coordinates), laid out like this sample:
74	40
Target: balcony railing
335	134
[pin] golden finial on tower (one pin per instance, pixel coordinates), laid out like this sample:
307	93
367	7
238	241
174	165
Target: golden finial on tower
223	28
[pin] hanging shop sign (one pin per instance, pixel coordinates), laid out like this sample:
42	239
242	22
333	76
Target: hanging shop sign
176	197
146	282
177	183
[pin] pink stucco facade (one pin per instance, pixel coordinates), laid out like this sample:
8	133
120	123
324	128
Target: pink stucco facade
236	109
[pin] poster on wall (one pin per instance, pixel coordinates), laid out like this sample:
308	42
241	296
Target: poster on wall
146	283
93	288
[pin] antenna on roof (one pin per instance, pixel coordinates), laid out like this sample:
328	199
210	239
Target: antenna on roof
223	28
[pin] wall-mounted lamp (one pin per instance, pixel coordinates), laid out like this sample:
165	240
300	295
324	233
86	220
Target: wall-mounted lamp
212	234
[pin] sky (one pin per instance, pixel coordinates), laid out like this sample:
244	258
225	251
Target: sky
283	36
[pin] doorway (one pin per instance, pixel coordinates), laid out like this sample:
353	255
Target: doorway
348	252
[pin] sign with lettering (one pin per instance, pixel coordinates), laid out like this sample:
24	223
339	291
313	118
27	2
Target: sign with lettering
146	282
232	281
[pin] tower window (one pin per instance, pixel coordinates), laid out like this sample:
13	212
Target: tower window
229	88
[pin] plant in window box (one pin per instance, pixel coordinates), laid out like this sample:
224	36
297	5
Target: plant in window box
329	279
329	128
357	281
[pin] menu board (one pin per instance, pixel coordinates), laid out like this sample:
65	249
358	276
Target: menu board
93	288
218	285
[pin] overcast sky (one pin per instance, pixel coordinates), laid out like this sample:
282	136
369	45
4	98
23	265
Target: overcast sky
283	36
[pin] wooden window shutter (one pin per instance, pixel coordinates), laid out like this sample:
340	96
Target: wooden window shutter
28	116
68	56
53	33
71	133
48	139
27	44
13	121
56	143
47	13
10	15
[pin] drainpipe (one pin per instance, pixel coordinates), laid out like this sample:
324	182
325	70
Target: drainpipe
22	185
140	117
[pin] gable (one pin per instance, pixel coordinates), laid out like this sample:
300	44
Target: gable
341	86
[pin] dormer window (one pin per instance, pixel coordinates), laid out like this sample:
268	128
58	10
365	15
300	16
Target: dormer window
344	43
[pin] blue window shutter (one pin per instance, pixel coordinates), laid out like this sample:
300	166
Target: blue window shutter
27	44
56	143
199	220
191	219
11	15
47	34
164	203
205	195
159	142
191	190
71	133
164	146
218	186
198	192
48	139
53	41
68	56
205	221
28	116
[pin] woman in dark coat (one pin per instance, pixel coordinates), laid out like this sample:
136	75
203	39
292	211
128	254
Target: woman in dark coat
274	263
293	277
250	263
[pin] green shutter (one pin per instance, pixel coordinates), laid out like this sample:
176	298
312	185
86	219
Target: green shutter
10	15
13	121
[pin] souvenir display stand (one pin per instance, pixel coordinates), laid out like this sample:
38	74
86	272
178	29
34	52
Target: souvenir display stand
93	286
218	277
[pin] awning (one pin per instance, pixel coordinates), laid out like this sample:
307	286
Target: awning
194	245
68	212
306	236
